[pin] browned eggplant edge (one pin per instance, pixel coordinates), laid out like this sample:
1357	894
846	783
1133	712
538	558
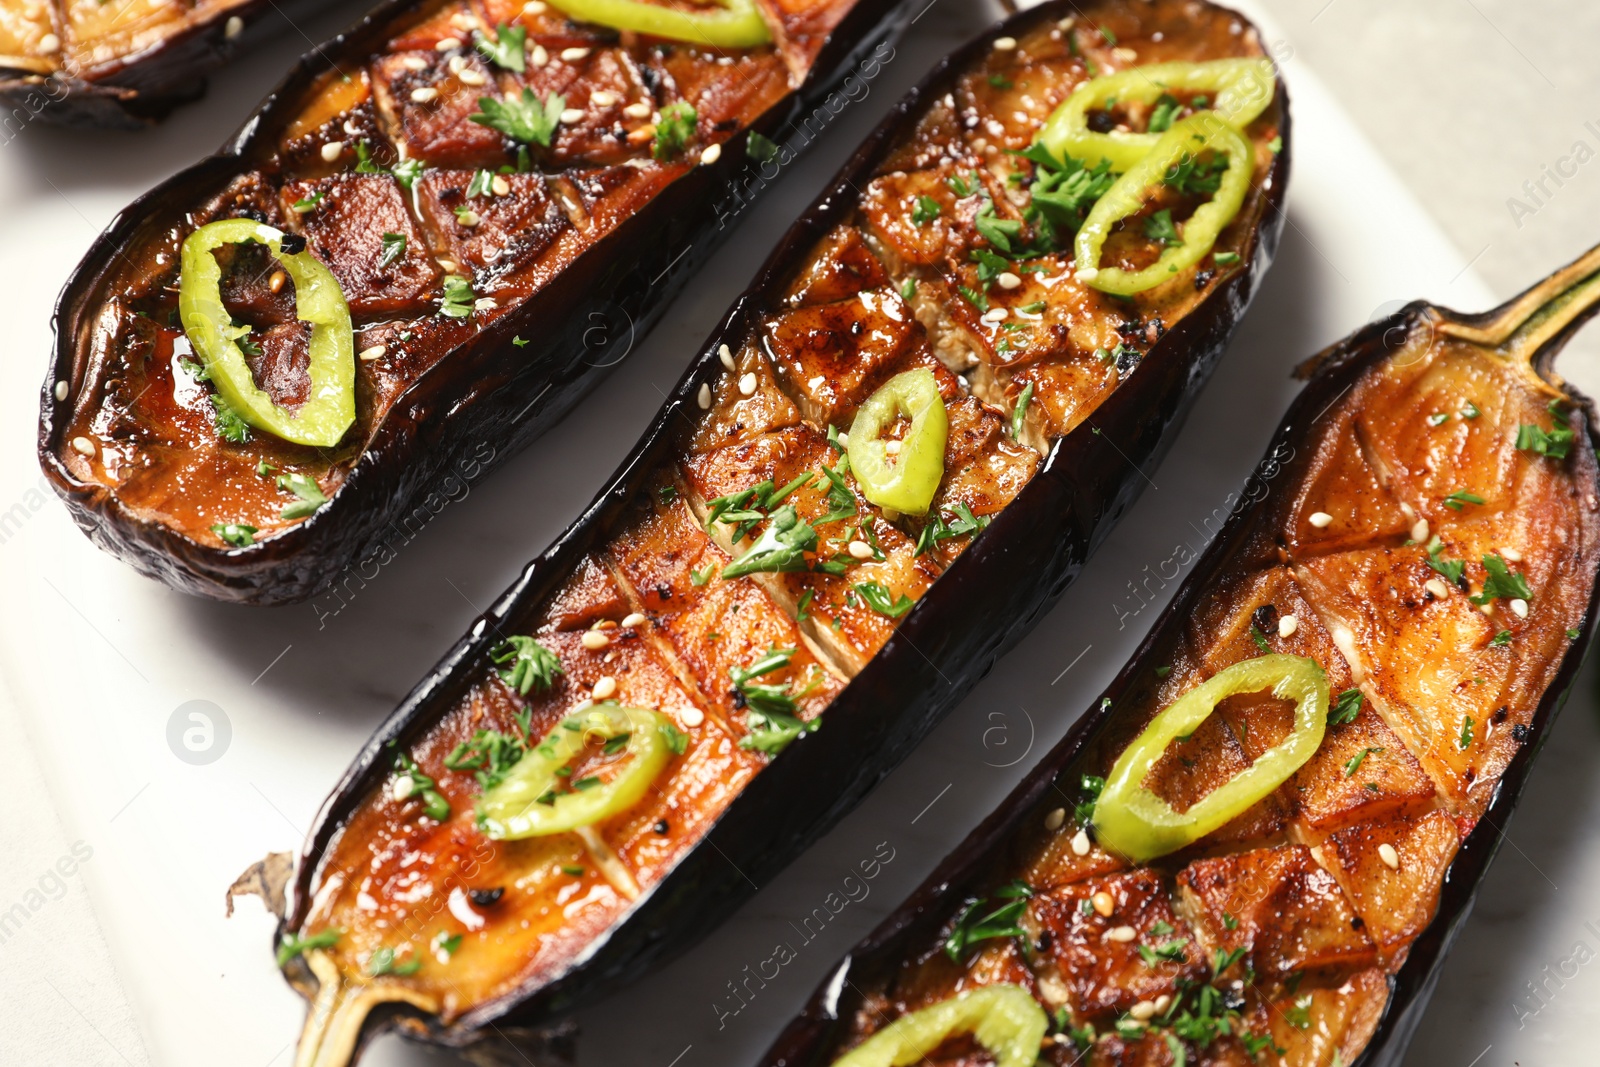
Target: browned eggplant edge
139	89
492	390
812	1036
999	587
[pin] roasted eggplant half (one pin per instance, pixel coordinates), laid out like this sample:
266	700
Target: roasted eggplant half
421	251
895	452
1261	843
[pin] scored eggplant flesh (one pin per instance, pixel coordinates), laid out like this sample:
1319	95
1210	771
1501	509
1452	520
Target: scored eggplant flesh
642	614
1298	921
370	157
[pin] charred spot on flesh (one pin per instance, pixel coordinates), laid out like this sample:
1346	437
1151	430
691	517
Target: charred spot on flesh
486	898
1202	278
1265	618
292	244
1102	121
661	827
1500	714
1519	733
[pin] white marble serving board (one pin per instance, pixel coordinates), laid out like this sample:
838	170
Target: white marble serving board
128	958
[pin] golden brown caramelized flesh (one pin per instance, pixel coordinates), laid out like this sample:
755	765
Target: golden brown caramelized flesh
768	446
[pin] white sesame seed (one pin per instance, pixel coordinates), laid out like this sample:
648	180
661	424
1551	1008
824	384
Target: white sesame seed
332	151
1005	44
457	64
747	383
605	688
1389	856
1163	1002
725	354
1080	843
233	27
1287	625
892	447
572	55
1121	933
816	383
1419	531
692	716
995	315
858	549
636	619
1008	280
351	128
424	95
49	44
277	281
1320	519
594	640
450	265
472	77
712	153
500	185
1519	608
1436	588
403	787
572	115
1511	555
61	390
1087	274
538	57
469	219
601	98
1408	511
1056	817
704	397
414	63
1142	1010
485	303
1124	55
1103	903
83	446
448	43
534	7
375	352
641	110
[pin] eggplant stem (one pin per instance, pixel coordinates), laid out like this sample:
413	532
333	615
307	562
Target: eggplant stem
333	1025
1532	327
608	863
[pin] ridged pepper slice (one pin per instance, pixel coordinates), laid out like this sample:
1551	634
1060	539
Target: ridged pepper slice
1131	820
908	480
331	408
1003	1018
738	25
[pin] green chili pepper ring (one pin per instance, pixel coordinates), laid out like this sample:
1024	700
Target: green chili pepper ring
739	25
1133	821
331	409
907	484
1004	1018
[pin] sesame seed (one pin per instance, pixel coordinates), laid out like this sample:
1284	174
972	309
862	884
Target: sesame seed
1087	274
233	27
1419	531
414	63
49	44
605	688
1142	1010
1389	856
1436	588
1008	280
636	619
1080	843
450	265
448	43
1511	555
1103	903
692	716
601	98
1320	519
424	95
472	77
995	315
538	57
1056	817
641	110
375	352
1519	608
500	185
594	640
816	383
403	787
332	151
725	354
485	303
1163	1002
61	390
1121	933
277	281
457	64
747	383
469	219
704	397
572	115
1005	44
892	447
1124	55
572	55
858	549
83	446
711	154
1287	625
534	7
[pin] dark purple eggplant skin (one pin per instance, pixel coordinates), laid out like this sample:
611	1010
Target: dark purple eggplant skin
812	1039
978	609
135	91
487	390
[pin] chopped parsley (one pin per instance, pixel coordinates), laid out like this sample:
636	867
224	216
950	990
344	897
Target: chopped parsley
1019	414
422	787
1091	786
1195	177
1161	115
1354	763
973	297
237	534
490	755
773	718
381	962
760	148
522	118
881	599
1451	569
446	943
293	945
677	740
507	49
394	246
961	186
307	204
482	184
519	342
458	297
230	424
1501	639
1259	638
1346	707
987	918
781	547
1501	582
1554	443
525	663
701	577
1298	1015
1000	81
1159	228
1438	418
1465	740
1574	634
1170	951
675	130
407	171
997	231
1062	193
307	489
1460	499
943	526
926	210
1470	411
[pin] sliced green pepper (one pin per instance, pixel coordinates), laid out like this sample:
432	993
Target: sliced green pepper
739	25
331	408
908	481
1240	89
1133	821
526	803
1004	1018
1190	137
